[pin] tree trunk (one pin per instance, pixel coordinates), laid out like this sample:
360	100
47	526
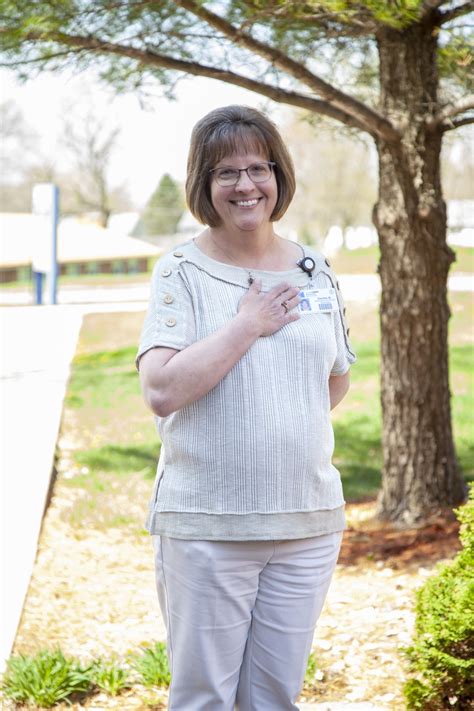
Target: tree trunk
420	472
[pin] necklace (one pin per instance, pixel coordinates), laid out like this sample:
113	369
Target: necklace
250	278
306	264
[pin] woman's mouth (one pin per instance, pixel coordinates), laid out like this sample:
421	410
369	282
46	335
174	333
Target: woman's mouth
246	203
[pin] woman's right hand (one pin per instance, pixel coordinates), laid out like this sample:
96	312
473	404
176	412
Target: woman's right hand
270	310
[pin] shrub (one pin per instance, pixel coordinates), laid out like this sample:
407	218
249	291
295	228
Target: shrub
442	655
44	679
152	666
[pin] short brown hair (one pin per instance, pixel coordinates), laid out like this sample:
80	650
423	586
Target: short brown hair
223	132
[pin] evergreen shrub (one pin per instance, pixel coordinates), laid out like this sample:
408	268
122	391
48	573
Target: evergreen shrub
441	659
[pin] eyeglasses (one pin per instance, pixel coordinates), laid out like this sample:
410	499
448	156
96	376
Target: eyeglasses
257	172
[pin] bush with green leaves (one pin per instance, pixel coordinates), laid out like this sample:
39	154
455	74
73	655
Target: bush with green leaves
109	676
152	666
45	679
442	655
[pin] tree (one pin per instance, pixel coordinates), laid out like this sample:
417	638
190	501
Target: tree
18	142
90	143
291	53
163	210
84	186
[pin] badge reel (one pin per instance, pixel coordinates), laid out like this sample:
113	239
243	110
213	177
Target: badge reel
308	265
314	300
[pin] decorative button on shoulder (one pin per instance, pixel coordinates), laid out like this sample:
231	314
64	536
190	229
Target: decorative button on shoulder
166	272
177	254
171	322
168	299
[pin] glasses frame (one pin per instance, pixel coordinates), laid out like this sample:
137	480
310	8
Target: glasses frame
270	163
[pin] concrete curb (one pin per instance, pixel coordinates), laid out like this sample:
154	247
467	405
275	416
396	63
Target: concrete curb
38	345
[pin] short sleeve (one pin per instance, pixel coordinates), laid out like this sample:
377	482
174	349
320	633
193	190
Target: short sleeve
169	321
345	355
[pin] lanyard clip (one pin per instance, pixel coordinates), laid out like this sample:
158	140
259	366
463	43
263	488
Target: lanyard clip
308	265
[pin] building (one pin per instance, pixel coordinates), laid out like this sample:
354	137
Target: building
83	248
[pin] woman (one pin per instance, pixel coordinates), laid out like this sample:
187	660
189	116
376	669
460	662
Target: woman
247	510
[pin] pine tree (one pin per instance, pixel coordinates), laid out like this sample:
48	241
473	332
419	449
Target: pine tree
163	210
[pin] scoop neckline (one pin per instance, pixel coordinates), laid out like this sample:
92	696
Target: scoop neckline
248	270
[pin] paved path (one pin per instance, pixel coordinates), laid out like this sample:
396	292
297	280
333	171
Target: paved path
38	343
355	287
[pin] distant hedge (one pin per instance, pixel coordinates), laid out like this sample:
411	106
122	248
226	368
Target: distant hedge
442	656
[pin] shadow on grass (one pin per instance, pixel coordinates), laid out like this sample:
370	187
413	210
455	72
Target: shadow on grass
122	459
358	456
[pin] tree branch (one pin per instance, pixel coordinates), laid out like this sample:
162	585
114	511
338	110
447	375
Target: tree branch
373	121
450	110
457	123
455	12
153	59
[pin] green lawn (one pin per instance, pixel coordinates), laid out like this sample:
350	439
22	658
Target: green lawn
365	260
117	442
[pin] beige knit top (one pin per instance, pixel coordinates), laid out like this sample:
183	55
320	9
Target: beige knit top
251	460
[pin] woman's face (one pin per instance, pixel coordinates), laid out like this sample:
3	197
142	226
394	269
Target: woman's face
246	206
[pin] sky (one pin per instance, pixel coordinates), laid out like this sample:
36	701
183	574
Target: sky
152	141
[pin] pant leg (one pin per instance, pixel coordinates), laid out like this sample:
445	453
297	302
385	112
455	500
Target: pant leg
292	590
207	592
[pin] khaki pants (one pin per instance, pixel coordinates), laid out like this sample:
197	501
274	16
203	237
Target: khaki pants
240	618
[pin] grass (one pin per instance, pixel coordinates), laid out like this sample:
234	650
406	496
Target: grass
89	382
152	666
48	677
45	679
357	425
365	260
110	677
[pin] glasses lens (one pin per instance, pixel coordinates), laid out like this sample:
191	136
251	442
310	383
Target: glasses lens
259	172
227	176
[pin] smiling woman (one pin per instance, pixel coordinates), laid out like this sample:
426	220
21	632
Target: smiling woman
247	510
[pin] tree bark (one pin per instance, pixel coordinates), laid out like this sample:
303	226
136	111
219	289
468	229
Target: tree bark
420	472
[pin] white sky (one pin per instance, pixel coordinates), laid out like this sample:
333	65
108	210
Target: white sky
152	142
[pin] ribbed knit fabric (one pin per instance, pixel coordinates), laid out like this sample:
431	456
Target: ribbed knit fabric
258	446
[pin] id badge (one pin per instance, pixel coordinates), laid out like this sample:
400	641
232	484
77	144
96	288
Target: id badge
318	301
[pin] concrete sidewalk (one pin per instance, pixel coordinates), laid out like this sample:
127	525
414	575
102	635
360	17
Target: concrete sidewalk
38	344
355	287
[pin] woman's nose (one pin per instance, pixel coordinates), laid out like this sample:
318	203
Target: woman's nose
244	183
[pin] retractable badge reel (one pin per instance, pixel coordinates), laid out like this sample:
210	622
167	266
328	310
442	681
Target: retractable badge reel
308	265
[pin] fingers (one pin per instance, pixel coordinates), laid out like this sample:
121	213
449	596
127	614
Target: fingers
285	290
